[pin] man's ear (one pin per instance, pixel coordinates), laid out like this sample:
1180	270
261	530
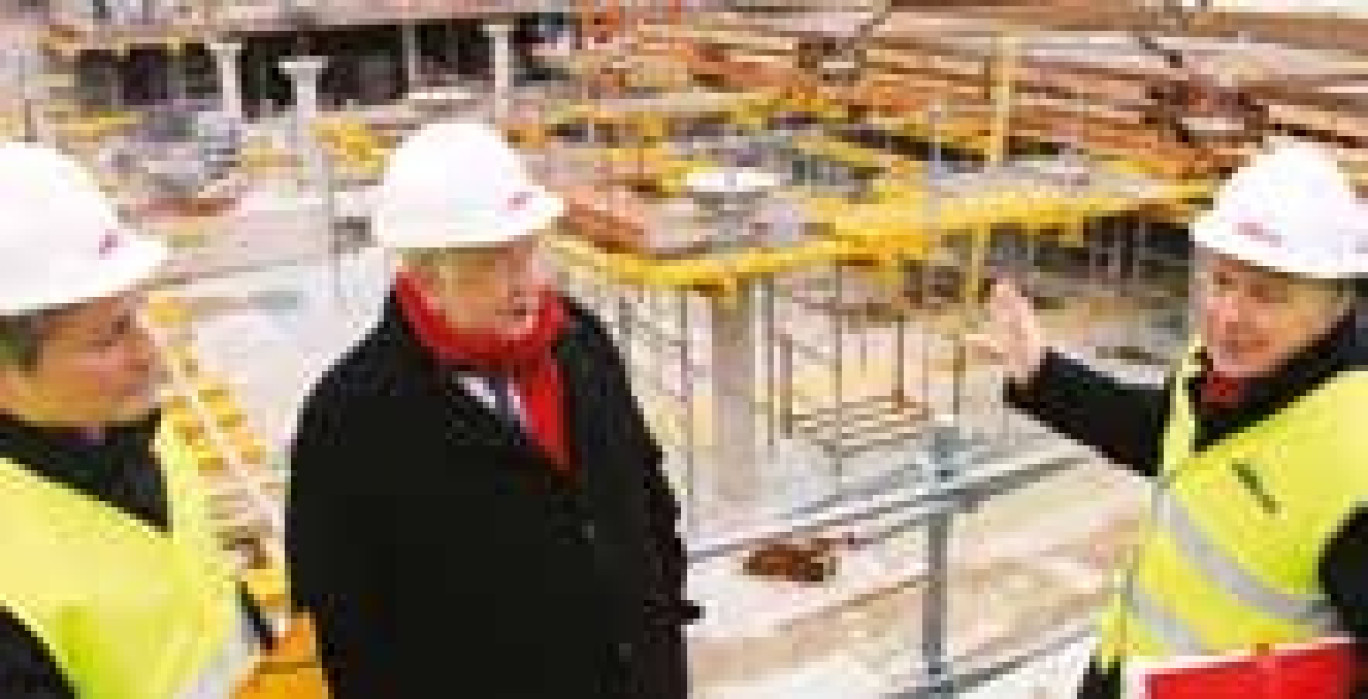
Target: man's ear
14	381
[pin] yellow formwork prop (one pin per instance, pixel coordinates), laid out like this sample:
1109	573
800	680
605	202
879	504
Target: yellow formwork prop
269	586
970	135
166	311
96	126
847	153
11	126
906	224
533	136
262	158
748	115
977	269
356	146
56	81
652	128
675	171
721	274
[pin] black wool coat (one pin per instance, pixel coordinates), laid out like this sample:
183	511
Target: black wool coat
441	555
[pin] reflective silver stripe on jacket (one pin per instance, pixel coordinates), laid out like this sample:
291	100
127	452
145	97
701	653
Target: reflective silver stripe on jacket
1175	635
229	669
1226	573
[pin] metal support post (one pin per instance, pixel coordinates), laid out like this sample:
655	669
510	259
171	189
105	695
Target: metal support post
733	364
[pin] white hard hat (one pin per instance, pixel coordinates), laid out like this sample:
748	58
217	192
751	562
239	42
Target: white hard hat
459	184
1291	210
61	240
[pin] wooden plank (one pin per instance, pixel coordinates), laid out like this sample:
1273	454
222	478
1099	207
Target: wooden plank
1298	29
1079	83
1064	109
1104	102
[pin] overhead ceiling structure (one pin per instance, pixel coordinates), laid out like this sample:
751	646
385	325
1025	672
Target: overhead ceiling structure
1324	24
1351	8
1118	79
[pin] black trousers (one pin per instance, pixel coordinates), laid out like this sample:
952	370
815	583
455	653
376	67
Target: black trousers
1100	683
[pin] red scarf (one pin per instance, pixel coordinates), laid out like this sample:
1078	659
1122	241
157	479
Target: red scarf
1220	391
527	360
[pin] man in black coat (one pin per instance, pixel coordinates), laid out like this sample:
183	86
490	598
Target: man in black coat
477	505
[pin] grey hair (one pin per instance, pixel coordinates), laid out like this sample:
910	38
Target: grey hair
431	259
446	263
1351	291
22	338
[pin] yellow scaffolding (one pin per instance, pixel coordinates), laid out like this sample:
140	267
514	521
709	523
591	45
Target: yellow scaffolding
721	273
902	226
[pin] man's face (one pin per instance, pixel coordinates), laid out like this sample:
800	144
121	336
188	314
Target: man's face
97	366
1253	320
495	290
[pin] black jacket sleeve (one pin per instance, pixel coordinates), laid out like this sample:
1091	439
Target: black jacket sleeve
339	566
1343	570
1122	421
664	510
664	521
27	671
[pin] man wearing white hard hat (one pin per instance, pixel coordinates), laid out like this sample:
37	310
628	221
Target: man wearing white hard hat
1256	445
114	586
477	505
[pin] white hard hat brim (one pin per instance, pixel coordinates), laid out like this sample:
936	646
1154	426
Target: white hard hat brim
135	263
1292	210
542	209
1217	236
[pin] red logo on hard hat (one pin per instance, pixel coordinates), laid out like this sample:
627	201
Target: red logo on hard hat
1254	231
109	243
519	200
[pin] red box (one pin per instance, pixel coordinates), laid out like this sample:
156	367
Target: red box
1323	670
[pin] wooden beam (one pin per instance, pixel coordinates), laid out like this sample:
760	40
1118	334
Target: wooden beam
1310	30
